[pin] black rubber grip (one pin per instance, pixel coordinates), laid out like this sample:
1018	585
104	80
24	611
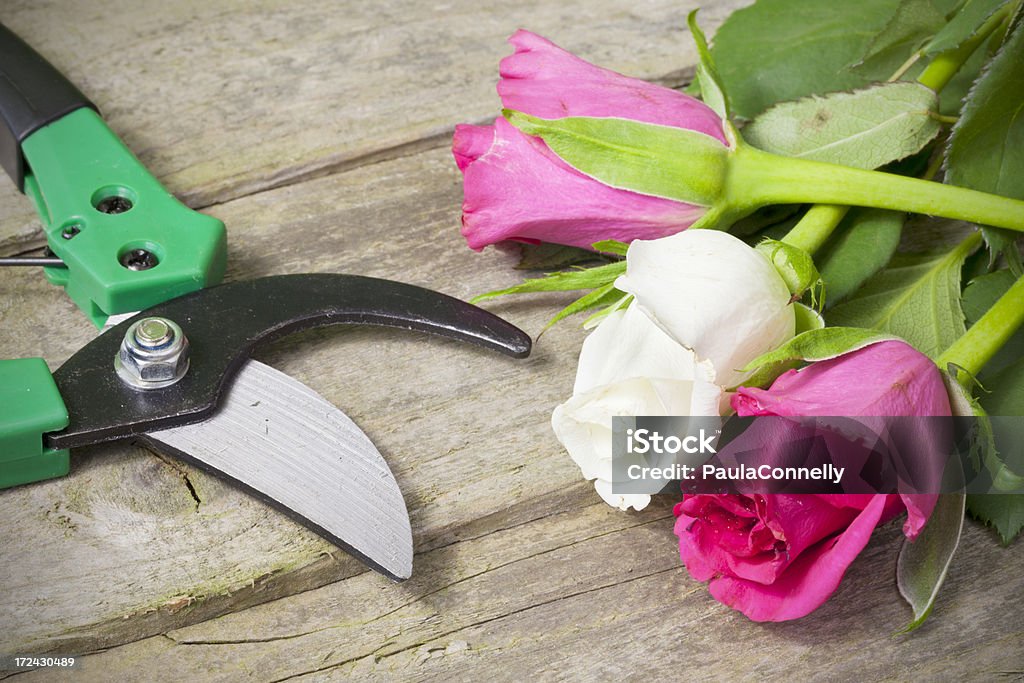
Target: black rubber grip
32	94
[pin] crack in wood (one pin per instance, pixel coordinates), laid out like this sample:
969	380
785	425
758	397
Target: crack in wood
378	656
182	472
522	522
424	596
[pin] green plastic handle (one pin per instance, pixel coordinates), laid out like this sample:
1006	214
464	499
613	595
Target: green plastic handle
30	405
127	243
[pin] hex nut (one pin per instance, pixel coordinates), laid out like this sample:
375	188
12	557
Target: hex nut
143	366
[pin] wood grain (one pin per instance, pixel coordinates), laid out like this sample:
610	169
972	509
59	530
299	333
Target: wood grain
130	515
231	99
224	99
586	593
318	133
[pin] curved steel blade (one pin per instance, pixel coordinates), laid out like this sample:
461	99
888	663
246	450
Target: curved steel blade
290	447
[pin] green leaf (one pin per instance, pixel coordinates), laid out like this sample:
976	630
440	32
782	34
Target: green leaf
662	161
978	297
1004	393
963	25
1003	512
866	128
611	247
602	296
813	345
1000	241
863	244
922	565
807	318
583	278
548	256
981	292
778	50
615	305
916	298
985	438
913	24
710	82
986	147
976	265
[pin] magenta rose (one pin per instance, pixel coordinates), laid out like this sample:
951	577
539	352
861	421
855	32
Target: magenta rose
515	188
779	557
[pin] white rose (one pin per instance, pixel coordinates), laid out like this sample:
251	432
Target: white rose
713	293
705	305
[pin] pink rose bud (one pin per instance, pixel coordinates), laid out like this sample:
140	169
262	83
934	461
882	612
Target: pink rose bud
887	378
779	557
516	188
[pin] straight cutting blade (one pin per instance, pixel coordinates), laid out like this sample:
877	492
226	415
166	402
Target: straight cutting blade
290	447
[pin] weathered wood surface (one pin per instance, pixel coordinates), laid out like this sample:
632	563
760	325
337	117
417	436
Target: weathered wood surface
319	136
225	101
467	439
588	593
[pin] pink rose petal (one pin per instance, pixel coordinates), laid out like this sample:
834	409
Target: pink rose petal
542	79
518	189
515	188
809	580
820	535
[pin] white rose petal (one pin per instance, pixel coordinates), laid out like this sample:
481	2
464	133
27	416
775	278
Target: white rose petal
628	366
623	501
712	293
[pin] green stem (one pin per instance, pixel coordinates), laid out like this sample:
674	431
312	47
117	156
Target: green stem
977	346
814	229
758	178
944	66
820	222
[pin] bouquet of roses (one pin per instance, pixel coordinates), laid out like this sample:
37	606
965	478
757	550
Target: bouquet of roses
746	258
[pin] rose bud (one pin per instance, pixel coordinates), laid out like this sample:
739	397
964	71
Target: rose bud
516	188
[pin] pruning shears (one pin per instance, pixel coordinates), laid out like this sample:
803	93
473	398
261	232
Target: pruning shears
172	366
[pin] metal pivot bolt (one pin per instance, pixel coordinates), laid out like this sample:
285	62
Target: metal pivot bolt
154	354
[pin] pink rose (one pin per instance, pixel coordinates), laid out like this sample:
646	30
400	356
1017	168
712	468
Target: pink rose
779	557
518	189
887	378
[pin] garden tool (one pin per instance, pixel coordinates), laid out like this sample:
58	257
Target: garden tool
177	376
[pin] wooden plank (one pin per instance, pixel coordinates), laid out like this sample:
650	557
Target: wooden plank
592	593
223	99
